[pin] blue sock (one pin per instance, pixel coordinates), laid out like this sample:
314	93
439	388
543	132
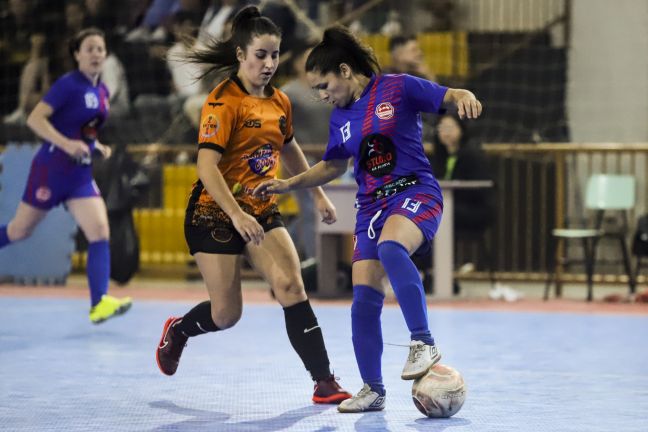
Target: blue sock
98	269
367	335
407	285
4	237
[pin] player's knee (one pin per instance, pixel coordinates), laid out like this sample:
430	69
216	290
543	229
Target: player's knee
98	232
225	318
390	250
290	285
17	233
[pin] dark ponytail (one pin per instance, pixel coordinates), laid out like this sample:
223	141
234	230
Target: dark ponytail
339	46
221	55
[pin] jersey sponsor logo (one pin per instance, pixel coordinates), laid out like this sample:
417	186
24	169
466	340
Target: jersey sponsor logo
209	126
261	160
283	125
346	131
411	205
384	110
91	100
43	194
377	155
252	123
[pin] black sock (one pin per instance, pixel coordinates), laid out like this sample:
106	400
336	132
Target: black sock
197	321
306	338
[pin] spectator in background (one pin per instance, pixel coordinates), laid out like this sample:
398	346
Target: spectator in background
17	24
99	15
114	76
35	80
151	27
455	159
285	19
217	15
310	119
73	19
184	74
407	57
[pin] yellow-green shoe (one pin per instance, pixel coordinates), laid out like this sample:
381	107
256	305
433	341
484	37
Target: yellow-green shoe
109	307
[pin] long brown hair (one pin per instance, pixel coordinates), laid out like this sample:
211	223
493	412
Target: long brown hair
221	55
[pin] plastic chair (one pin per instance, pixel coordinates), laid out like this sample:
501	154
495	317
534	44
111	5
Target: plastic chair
605	192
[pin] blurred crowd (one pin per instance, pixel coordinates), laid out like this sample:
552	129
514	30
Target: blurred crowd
154	96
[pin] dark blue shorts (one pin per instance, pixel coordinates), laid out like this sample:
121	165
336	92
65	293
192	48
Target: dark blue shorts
419	204
47	186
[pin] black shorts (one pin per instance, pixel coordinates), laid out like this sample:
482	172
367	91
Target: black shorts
224	239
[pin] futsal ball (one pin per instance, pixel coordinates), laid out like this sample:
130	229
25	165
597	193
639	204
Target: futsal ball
440	393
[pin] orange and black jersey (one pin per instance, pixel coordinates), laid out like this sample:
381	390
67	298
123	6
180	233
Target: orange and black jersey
250	132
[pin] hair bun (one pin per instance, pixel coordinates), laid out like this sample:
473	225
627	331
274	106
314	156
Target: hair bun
246	14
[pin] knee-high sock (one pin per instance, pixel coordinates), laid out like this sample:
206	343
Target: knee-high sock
4	237
98	269
197	321
306	338
367	335
407	285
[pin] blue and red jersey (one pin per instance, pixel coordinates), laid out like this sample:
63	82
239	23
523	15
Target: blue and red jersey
80	108
382	131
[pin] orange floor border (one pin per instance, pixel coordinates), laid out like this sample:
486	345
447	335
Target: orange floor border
188	292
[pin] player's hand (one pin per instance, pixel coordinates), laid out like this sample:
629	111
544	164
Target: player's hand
77	149
103	150
275	186
326	209
468	106
248	227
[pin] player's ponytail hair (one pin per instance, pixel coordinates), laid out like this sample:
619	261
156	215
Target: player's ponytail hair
339	46
221	55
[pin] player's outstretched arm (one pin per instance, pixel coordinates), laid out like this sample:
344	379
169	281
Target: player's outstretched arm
468	106
318	175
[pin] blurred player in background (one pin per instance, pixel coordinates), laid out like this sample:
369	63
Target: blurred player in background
67	119
245	126
376	121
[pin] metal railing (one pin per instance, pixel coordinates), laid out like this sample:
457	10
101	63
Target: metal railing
541	187
538	187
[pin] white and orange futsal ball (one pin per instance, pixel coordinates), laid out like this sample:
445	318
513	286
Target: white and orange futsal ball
439	393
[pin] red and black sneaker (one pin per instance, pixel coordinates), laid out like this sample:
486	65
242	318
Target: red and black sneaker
170	348
328	391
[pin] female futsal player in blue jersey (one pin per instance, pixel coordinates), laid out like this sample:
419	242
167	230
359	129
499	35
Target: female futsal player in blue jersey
67	119
376	121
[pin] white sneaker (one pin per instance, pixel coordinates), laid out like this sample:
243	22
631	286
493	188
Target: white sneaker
504	292
365	400
420	359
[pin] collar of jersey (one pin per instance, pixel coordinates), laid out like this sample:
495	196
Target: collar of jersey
240	85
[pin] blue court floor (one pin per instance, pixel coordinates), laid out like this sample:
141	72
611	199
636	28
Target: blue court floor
524	371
